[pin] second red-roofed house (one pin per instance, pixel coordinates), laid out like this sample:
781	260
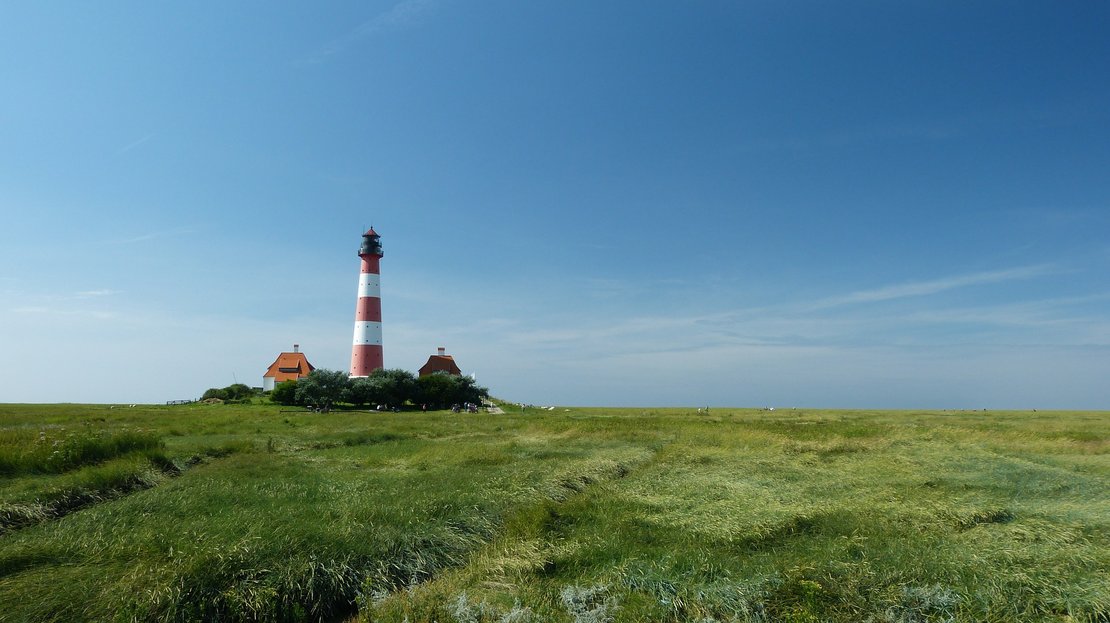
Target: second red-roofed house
440	362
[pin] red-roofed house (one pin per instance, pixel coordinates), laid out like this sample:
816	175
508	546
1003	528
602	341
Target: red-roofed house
440	363
287	367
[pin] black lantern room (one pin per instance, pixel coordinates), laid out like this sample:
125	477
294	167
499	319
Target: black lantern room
371	244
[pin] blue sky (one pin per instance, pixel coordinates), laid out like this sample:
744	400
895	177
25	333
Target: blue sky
849	204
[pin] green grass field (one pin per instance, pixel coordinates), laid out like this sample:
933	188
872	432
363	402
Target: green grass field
244	513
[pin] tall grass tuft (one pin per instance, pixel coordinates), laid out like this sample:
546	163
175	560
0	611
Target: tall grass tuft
87	486
589	604
25	452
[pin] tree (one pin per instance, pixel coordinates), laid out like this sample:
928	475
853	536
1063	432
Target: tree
364	391
322	388
441	389
396	386
469	390
285	393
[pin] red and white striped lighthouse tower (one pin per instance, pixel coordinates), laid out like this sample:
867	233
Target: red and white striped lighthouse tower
366	353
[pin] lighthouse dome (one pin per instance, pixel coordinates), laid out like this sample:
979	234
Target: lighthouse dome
371	243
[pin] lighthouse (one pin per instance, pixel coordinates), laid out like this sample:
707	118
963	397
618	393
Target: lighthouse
366	351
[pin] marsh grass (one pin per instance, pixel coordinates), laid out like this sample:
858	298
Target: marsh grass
591	514
54	451
859	516
81	488
55	470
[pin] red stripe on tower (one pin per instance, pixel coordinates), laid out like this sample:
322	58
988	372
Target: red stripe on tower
366	351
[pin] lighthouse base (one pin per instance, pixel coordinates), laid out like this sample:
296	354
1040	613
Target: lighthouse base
365	358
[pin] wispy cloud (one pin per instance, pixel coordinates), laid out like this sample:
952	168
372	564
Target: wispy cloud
608	288
925	131
152	235
88	294
845	323
72	304
935	286
132	145
40	310
401	15
1037	313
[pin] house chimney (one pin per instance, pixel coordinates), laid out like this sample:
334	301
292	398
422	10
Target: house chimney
296	348
442	351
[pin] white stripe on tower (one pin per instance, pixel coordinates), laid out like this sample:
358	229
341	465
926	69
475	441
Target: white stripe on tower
366	349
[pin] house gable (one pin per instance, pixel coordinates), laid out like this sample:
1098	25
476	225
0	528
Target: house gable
289	367
440	363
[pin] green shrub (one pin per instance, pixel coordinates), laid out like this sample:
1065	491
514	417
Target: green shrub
395	387
236	393
441	390
285	393
322	388
365	391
